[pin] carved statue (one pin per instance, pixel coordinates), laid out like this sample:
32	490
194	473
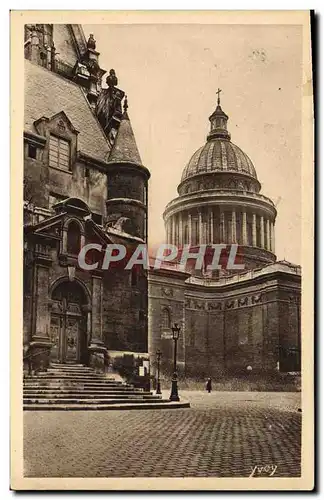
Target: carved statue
112	80
91	43
109	106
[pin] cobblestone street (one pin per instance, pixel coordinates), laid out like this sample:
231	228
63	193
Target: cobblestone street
222	435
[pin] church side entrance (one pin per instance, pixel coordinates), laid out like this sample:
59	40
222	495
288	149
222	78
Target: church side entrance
69	324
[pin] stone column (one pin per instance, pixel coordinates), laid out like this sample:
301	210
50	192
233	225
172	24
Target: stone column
211	222
49	57
180	235
189	229
88	326
96	309
244	230
34	52
254	238
222	228
173	237
64	241
262	231
273	246
268	234
41	302
40	345
97	350
233	226
199	228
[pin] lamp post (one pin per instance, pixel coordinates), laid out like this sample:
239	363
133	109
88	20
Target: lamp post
174	387
158	383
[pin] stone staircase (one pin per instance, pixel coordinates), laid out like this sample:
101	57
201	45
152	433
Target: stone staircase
78	387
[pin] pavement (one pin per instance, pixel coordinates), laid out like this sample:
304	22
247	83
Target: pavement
222	434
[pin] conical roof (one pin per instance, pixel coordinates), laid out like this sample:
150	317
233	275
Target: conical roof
125	148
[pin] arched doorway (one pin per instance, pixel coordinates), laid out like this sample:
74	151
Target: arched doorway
69	316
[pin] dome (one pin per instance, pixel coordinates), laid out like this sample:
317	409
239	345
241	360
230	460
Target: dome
219	155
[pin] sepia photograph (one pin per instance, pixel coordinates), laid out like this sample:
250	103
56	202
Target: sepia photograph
162	192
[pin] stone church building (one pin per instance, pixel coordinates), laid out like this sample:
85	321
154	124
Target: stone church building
230	320
83	182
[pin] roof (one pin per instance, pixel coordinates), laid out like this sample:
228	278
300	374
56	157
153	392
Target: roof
219	155
125	148
47	93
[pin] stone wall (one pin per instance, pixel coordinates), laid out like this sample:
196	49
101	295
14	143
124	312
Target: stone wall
166	307
228	328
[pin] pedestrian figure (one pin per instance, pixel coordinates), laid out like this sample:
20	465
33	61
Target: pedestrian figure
209	385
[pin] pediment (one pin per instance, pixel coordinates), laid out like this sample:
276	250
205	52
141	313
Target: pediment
58	122
51	227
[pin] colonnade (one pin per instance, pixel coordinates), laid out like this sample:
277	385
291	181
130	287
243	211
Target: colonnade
221	226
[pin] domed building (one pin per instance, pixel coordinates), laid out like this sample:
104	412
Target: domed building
230	319
220	202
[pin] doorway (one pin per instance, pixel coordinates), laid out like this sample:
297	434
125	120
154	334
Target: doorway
68	328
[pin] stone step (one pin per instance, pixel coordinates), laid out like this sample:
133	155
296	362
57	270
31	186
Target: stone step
40	394
73	380
72	369
162	404
71	377
53	376
66	365
91	401
69	367
95	380
74	373
81	387
78	386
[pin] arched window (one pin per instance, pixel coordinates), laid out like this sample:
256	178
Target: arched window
166	318
73	238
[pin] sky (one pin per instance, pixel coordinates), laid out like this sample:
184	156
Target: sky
171	73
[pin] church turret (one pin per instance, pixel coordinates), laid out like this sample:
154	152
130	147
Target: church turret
128	179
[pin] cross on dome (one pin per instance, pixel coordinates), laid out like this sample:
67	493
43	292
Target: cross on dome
218	96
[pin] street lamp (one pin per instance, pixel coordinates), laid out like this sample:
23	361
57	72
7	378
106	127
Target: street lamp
174	387
158	384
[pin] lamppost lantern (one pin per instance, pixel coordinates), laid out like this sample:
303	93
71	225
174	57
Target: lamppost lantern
175	331
174	387
158	383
